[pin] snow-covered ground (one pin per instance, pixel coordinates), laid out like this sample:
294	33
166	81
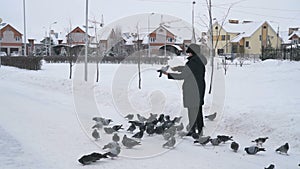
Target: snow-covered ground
46	118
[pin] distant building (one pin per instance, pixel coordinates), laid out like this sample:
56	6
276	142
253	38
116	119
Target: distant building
10	40
247	37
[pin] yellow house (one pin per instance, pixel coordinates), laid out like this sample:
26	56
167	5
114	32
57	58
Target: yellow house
247	37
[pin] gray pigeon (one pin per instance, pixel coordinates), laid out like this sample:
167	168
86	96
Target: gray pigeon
234	146
170	143
102	120
108	130
114	149
141	118
115	138
131	128
211	117
224	138
202	140
253	150
129	143
283	149
98	126
95	134
163	69
215	141
129	116
271	166
259	141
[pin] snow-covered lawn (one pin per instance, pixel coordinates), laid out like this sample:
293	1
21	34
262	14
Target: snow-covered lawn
46	119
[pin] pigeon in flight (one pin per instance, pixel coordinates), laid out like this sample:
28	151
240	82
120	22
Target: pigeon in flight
283	149
170	143
96	134
129	116
211	117
271	166
259	141
234	146
253	150
129	143
163	69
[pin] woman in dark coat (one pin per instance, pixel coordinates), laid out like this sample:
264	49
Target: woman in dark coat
193	88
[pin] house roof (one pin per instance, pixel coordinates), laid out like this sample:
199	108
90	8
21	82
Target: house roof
294	34
244	29
5	26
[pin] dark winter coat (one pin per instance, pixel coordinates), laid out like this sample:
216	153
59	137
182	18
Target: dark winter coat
193	87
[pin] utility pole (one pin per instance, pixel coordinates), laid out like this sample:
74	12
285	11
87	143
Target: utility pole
25	46
212	51
86	39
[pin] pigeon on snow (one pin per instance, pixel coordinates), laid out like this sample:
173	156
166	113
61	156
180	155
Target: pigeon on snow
215	141
202	140
114	149
129	116
108	130
211	117
128	142
253	150
170	143
98	126
139	134
271	166
234	146
259	141
131	128
283	149
93	157
117	127
163	69
224	138
102	120
115	138
96	134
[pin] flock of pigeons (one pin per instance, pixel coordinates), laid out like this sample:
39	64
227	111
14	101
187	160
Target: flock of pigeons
165	126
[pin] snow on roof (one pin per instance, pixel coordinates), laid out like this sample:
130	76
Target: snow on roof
297	33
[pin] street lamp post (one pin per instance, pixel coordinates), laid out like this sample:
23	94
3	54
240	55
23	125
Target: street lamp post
193	21
50	37
149	49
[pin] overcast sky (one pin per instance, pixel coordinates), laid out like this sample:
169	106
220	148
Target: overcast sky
41	13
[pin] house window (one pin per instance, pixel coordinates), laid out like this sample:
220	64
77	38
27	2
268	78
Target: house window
152	39
228	37
247	44
17	38
223	37
170	39
295	41
259	37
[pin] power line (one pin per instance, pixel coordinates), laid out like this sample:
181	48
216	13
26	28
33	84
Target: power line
260	14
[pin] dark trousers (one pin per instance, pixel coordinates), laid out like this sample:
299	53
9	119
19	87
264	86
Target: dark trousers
195	119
